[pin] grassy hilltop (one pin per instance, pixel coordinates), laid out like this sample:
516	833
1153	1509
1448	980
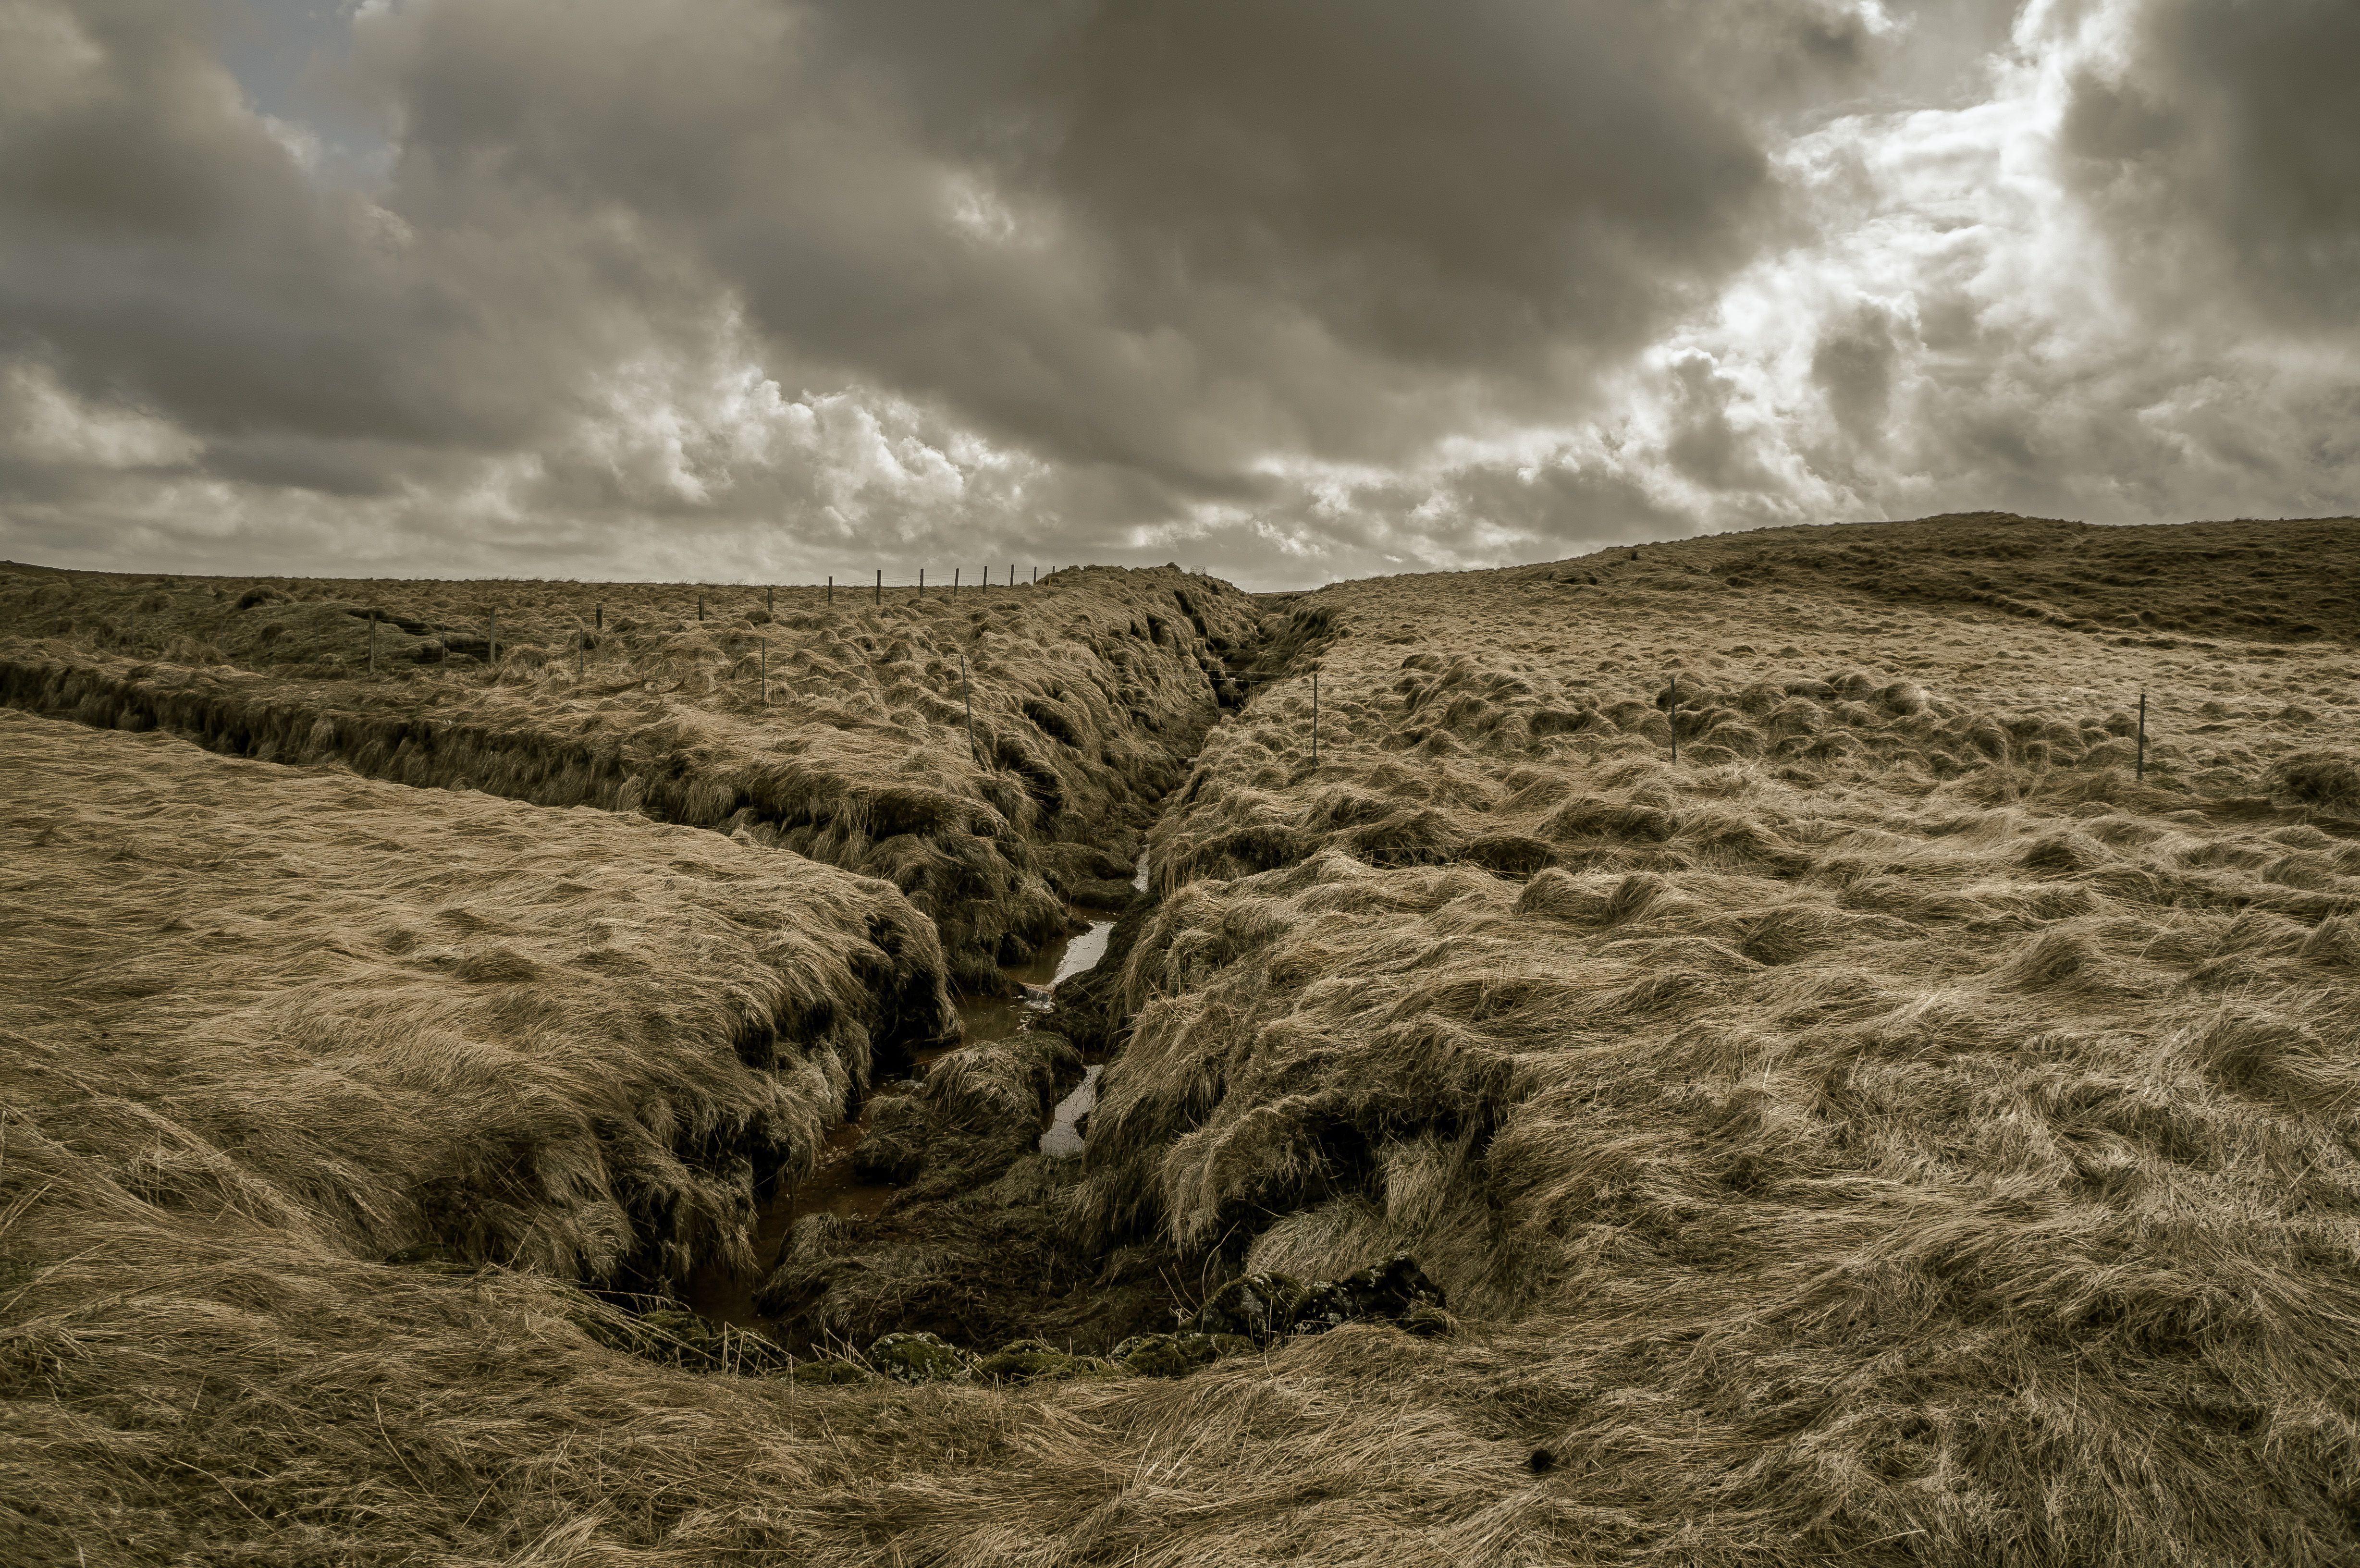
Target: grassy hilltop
1893	1132
834	727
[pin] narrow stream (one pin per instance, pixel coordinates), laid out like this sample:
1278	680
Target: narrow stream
834	1188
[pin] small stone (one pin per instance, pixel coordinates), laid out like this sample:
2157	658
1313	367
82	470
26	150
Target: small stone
916	1358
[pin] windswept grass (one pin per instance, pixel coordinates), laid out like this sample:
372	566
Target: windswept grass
1894	1135
391	1019
1910	1128
1089	692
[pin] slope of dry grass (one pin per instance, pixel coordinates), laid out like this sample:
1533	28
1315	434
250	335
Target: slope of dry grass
1909	1125
1090	691
1891	1135
395	1019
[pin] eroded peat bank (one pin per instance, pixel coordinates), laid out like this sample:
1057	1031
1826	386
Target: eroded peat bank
1850	1086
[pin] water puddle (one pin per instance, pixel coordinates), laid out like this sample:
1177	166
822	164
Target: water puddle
1064	1138
834	1188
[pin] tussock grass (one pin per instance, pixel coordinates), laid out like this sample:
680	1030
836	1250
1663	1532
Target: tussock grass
1895	1135
1090	691
1915	1134
393	1019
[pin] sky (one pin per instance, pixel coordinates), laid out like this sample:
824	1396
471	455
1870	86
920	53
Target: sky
1290	290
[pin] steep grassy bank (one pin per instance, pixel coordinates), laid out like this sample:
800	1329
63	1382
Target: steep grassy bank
1089	691
1902	1132
395	1020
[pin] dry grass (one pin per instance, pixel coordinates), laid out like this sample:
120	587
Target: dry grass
1893	1135
1090	691
1917	1136
391	1019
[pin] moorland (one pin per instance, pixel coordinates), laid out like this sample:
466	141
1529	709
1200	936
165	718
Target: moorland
1854	1024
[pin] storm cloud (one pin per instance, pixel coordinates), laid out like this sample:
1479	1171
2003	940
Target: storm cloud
1288	289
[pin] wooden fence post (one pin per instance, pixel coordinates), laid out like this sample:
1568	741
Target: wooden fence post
602	615
831	588
880	584
700	607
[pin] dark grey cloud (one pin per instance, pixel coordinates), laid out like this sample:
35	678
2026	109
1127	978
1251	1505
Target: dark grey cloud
1296	288
2236	129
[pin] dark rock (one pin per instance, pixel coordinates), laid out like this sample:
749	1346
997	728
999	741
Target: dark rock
1388	1289
1265	1306
1167	1355
1259	1307
916	1358
1036	1360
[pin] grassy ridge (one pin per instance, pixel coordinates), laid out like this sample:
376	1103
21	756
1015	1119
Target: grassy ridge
1089	692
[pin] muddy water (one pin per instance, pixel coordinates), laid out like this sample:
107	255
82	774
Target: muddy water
833	1188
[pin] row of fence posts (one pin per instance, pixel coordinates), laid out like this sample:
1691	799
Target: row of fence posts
769	607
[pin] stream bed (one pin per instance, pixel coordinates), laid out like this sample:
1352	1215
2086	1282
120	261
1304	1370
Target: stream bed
726	1295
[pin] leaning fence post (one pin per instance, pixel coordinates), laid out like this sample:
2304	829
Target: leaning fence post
921	583
831	588
966	693
700	606
2142	738
1676	714
880	584
602	615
